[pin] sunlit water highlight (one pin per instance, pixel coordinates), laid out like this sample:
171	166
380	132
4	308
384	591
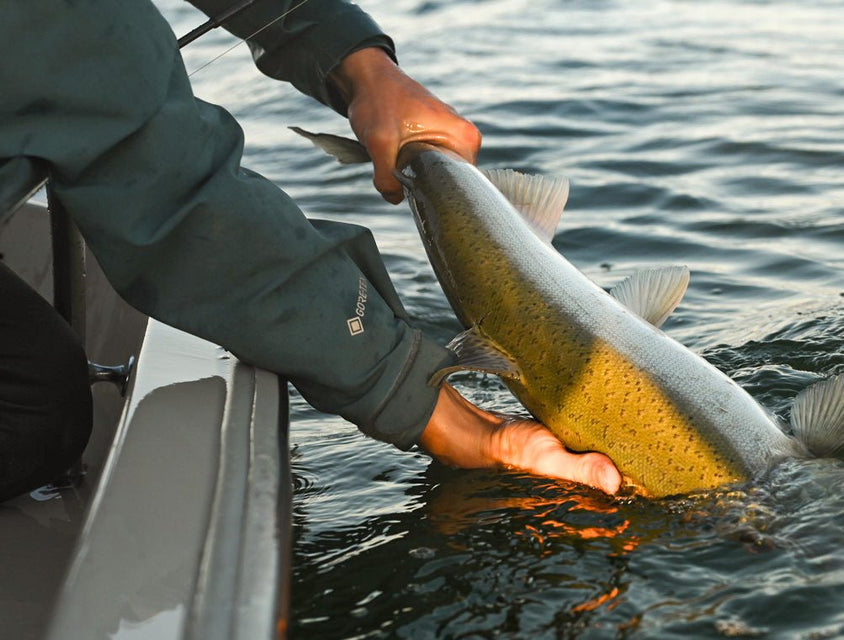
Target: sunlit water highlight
704	133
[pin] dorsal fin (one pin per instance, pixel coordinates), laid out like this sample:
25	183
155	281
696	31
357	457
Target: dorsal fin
540	199
654	293
817	417
476	352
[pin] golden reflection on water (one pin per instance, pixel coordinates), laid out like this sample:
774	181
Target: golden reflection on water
556	512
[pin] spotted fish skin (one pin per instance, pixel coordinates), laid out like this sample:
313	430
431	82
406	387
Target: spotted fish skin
599	376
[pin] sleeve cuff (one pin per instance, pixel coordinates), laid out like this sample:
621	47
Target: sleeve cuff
307	58
403	415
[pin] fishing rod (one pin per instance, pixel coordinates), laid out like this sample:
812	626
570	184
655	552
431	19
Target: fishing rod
218	21
213	23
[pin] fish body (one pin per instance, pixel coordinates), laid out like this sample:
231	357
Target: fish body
593	367
596	374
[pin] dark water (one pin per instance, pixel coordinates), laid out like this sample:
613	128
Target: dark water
704	133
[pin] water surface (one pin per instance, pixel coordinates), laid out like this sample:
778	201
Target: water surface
697	132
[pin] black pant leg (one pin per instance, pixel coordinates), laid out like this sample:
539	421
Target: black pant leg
45	399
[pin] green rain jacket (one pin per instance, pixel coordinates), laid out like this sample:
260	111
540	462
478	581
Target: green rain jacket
96	91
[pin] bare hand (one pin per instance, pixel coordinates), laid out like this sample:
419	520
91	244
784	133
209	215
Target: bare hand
388	109
462	435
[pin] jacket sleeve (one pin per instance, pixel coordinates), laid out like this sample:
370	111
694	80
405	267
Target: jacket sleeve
302	42
152	177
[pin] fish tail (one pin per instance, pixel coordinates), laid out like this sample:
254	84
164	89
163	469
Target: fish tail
344	150
817	417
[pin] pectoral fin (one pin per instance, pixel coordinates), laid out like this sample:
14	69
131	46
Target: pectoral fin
817	417
540	199
475	352
345	150
653	294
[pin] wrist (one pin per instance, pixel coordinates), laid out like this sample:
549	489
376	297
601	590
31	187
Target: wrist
460	434
362	69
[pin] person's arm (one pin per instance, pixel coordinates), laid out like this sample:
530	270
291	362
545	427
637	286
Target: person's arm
152	177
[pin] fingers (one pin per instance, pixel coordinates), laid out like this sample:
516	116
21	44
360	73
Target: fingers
464	139
594	469
529	446
384	149
459	136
